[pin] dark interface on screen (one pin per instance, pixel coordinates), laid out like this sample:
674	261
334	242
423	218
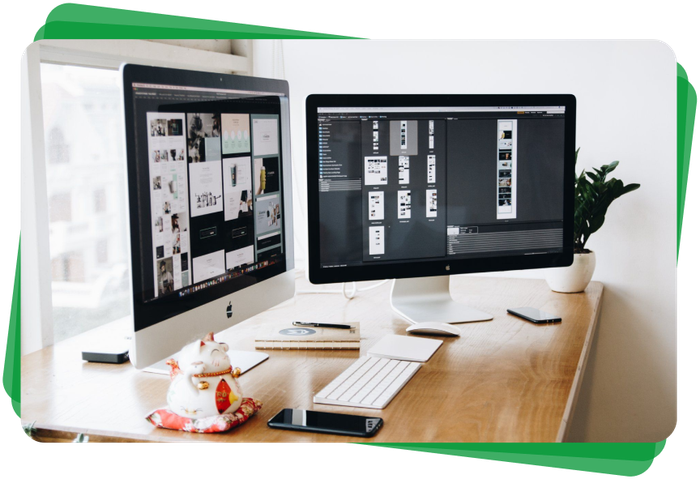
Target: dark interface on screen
432	183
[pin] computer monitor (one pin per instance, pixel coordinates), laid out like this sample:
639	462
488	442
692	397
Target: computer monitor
420	187
208	162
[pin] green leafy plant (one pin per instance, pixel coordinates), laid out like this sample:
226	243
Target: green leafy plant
594	194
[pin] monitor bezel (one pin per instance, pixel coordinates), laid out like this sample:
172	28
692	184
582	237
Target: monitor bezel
153	312
423	268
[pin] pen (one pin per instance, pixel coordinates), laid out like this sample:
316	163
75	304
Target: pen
321	325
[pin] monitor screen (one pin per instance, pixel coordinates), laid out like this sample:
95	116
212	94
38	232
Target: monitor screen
206	191
462	185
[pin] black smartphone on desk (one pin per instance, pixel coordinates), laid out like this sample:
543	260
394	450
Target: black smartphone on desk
322	422
533	315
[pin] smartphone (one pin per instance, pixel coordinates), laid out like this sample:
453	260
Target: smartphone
322	422
534	315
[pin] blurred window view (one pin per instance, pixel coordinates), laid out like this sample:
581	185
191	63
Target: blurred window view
85	176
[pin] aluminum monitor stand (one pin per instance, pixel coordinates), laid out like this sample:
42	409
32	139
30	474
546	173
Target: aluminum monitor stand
428	299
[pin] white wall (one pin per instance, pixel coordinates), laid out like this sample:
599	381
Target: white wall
626	111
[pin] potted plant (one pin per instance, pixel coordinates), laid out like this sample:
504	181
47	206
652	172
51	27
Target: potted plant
594	193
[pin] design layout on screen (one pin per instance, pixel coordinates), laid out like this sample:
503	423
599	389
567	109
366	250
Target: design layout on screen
420	181
203	160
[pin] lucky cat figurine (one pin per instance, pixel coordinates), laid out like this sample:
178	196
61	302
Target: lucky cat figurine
203	382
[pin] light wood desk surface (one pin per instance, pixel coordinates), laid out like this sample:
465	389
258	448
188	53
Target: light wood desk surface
505	380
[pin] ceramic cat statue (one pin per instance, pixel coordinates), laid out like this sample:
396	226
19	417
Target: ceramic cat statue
203	382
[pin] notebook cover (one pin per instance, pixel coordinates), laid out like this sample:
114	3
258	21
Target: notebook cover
286	337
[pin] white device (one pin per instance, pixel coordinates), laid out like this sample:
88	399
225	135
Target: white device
434	328
220	248
370	382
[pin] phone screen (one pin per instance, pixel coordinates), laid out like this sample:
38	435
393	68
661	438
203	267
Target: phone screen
326	422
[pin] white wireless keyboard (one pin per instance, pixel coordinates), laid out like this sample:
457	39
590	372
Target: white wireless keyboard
370	382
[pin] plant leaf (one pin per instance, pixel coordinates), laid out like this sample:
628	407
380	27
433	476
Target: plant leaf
594	194
596	223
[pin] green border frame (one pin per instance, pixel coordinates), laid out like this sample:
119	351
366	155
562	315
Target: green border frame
74	21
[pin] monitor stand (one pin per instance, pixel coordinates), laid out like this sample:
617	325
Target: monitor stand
428	299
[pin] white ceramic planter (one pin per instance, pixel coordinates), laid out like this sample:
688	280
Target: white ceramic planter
575	278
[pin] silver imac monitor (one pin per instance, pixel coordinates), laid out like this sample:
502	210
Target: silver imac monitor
210	203
420	187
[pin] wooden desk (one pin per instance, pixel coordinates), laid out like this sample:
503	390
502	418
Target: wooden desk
506	380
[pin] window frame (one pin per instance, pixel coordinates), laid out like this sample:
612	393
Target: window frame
35	282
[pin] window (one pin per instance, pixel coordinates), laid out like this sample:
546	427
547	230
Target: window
84	161
81	179
57	150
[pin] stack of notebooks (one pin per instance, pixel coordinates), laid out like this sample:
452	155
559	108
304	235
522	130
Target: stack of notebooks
288	337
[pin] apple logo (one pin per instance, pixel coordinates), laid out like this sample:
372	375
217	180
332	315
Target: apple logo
229	310
447	267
